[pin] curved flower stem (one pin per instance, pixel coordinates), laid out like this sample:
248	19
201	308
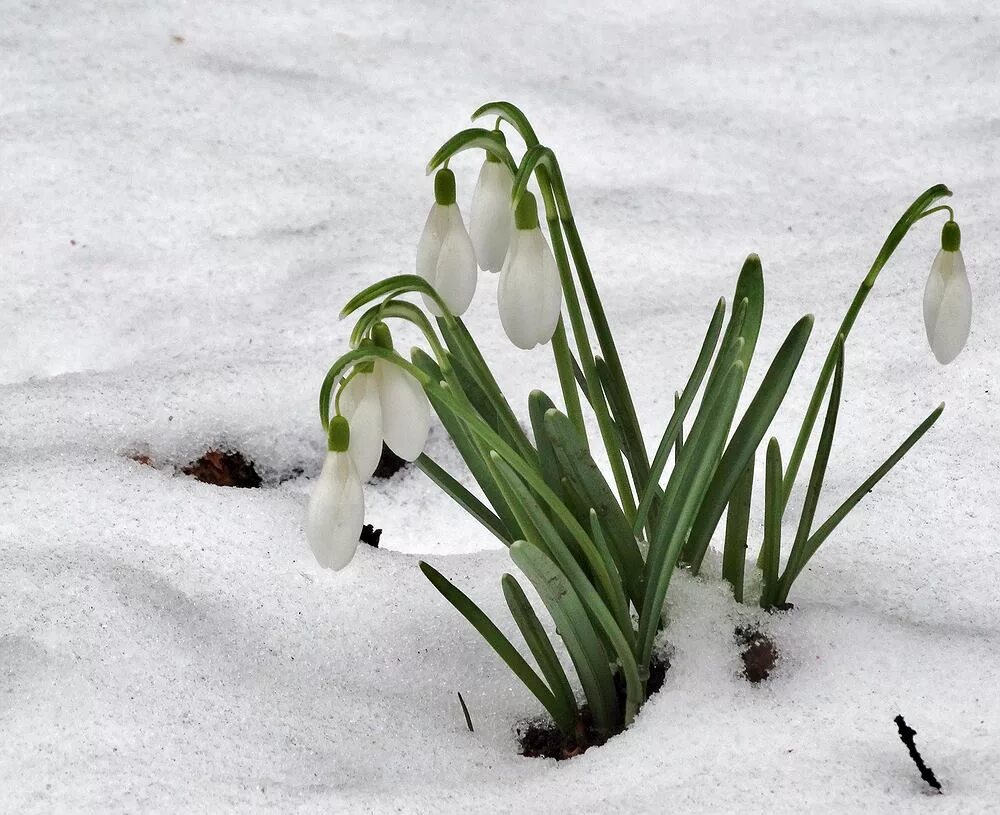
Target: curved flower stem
567	382
403	310
916	210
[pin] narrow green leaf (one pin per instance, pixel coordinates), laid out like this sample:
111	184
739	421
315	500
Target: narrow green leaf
538	404
831	523
737	530
682	497
606	592
746	438
679	441
674	425
750	286
580	468
577	631
461	496
499	643
540	645
774	504
796	557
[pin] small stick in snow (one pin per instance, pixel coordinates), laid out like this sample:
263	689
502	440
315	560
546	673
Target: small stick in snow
465	710
907	733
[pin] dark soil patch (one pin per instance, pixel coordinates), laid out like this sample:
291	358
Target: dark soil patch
370	535
759	653
542	739
223	468
389	464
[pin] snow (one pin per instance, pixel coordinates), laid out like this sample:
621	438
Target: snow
189	193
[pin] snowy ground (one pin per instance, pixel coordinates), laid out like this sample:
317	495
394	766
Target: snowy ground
189	192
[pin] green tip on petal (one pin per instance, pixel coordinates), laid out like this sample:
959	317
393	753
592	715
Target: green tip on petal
339	437
444	187
526	214
382	336
951	237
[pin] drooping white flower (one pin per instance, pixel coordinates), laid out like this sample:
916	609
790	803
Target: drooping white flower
492	218
948	298
529	294
337	504
445	255
386	404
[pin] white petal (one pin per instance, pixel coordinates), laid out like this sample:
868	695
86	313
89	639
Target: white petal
550	292
336	512
455	275
429	245
406	418
361	406
529	296
491	221
947	306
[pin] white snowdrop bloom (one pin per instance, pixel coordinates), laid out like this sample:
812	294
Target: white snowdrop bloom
445	256
406	414
337	504
361	404
492	219
529	294
948	298
385	403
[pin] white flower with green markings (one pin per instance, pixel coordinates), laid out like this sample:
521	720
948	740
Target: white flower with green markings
445	255
337	504
529	295
948	298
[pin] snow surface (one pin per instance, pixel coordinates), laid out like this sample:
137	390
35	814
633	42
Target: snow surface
189	192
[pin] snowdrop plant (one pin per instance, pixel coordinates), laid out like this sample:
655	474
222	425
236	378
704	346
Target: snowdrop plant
598	552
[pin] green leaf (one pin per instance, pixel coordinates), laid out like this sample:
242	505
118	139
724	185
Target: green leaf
746	438
680	411
684	493
737	530
541	647
796	557
774	505
580	468
750	286
499	643
831	523
603	594
461	496
577	631
538	404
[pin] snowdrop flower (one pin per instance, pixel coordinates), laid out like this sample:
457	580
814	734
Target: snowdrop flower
492	219
445	256
948	298
529	294
337	504
384	403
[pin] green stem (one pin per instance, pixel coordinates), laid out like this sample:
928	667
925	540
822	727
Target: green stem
567	382
916	210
